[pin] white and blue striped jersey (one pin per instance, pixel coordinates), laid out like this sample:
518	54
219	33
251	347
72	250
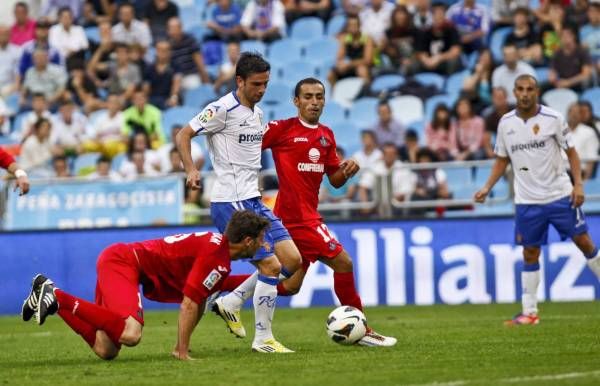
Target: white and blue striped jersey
234	138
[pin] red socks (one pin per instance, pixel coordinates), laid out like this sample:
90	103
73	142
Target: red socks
231	282
343	284
89	316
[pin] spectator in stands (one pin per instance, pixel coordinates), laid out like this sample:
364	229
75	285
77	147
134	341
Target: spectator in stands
506	74
88	17
439	46
141	159
264	20
145	117
440	133
70	129
69	39
387	128
408	151
101	54
224	22
588	117
81	88
552	25
225	81
23	31
472	22
60	167
375	19
175	164
576	12
422	17
40	42
431	184
503	11
525	38
158	13
478	86
589	34
46	78
162	81
39	107
129	30
571	65
193	203
164	151
584	140
355	53
353	7
470	130
499	107
186	56
345	193
400	41
104	171
37	150
400	181
52	8
10	55
295	9
107	128
368	156
123	76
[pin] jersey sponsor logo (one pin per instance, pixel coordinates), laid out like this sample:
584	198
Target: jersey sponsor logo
536	129
306	167
314	155
300	139
207	114
533	145
212	279
250	138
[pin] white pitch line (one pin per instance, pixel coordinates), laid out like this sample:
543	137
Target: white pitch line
533	378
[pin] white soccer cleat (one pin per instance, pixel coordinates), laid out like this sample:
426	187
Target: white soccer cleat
373	339
270	346
231	317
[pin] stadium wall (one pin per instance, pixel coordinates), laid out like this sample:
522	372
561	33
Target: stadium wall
396	263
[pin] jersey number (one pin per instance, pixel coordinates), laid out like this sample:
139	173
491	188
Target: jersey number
324	232
182	236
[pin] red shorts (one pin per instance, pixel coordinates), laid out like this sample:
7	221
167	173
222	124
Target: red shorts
314	241
118	283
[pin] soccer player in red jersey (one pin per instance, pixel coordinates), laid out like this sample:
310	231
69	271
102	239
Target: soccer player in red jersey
8	162
304	151
184	268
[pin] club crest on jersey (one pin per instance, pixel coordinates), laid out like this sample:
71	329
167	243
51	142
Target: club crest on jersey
536	129
323	141
211	280
314	155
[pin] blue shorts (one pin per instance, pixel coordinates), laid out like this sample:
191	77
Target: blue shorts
532	222
221	212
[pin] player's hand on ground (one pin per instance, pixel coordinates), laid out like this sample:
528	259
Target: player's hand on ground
577	196
349	168
193	180
481	195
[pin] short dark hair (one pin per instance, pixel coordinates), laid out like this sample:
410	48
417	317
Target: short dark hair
38	95
251	63
22	4
306	81
245	223
411	134
341	151
103	159
523	11
40	122
64	9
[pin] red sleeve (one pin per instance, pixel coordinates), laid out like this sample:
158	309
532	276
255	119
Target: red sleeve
5	159
272	133
206	276
332	162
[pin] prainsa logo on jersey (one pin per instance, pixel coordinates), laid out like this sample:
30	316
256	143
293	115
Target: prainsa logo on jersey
314	155
213	277
250	138
527	146
300	139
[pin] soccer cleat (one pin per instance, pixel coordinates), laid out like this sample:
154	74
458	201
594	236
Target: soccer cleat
523	319
231	317
47	304
30	304
270	346
373	339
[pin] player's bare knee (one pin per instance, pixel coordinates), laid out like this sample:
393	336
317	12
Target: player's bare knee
270	267
131	338
531	254
106	352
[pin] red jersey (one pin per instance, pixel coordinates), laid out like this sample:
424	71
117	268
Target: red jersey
302	155
191	264
5	159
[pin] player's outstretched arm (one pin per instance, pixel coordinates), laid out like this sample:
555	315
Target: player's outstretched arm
189	316
348	168
577	196
8	162
497	171
184	145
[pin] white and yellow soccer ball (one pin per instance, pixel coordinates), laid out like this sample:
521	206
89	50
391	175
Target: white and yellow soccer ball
346	325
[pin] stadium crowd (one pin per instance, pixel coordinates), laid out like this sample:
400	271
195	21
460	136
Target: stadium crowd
86	86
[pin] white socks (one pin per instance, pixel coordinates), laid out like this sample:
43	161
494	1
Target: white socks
265	298
243	292
529	283
594	264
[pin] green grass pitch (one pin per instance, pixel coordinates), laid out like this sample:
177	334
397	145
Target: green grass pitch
439	345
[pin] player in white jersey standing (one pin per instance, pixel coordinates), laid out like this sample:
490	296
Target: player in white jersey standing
233	126
532	138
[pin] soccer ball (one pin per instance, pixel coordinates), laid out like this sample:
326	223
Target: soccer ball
346	325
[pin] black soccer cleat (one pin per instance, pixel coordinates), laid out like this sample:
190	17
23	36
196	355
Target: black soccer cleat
30	304
47	304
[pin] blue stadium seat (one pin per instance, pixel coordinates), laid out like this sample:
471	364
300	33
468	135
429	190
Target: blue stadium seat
85	163
346	90
15	129
280	111
12	103
198	97
94	116
364	112
387	82
419	127
284	51
454	83
198	32
497	42
254	46
179	115
430	79
277	94
333	113
190	17
307	29
347	136
118	160
322	51
592	95
407	108
560	99
541	73
93	34
292	72
432	102
335	25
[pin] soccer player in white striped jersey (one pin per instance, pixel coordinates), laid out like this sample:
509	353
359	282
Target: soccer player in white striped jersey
532	138
234	126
